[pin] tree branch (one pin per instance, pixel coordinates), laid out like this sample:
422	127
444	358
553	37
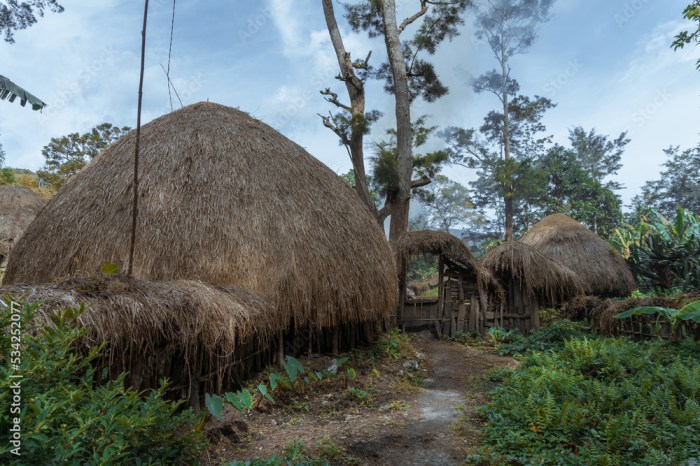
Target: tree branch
411	19
422	181
332	97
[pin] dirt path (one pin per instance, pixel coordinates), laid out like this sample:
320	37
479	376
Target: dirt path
405	425
434	435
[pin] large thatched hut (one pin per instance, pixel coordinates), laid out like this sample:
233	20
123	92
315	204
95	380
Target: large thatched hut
226	200
531	280
601	269
462	302
18	207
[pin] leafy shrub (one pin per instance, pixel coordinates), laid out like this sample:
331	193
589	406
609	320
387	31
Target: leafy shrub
664	254
552	336
597	402
66	417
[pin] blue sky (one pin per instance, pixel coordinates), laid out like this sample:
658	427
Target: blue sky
607	65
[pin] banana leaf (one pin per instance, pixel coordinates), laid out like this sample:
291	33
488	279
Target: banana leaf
10	91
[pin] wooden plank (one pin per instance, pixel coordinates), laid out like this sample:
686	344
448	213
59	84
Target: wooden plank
461	314
438	328
473	307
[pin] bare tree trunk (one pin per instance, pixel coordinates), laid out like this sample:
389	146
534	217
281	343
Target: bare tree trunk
356	92
508	191
399	208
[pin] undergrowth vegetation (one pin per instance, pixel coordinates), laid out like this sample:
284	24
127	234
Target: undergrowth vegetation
552	336
67	417
594	401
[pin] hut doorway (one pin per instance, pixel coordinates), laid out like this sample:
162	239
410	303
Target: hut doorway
452	300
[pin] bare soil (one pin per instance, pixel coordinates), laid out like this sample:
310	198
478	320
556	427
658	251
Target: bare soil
411	417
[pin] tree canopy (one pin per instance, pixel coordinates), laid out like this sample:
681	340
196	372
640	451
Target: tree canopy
16	15
66	155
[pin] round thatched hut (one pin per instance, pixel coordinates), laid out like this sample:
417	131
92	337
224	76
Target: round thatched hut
531	280
601	269
463	285
224	199
18	207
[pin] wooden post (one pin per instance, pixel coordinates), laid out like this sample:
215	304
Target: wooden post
461	307
336	342
280	350
441	297
310	341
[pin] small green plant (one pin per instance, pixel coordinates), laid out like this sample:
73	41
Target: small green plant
358	394
296	378
69	417
394	345
328	449
294	454
689	312
499	335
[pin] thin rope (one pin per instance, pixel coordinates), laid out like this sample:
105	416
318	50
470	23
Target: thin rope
170	49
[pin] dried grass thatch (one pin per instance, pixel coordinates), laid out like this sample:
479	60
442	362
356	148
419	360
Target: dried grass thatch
452	249
602	270
152	325
537	275
224	199
438	243
18	207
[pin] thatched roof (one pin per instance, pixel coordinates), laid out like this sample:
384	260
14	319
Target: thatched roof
18	207
199	323
602	270
224	199
143	315
537	275
439	243
450	247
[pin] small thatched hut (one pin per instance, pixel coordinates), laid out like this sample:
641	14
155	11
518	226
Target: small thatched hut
601	269
18	207
462	302
225	200
185	330
531	280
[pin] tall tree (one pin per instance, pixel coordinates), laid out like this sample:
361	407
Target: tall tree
570	189
407	76
352	123
448	204
16	15
599	156
677	186
692	13
519	177
510	28
65	156
424	166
